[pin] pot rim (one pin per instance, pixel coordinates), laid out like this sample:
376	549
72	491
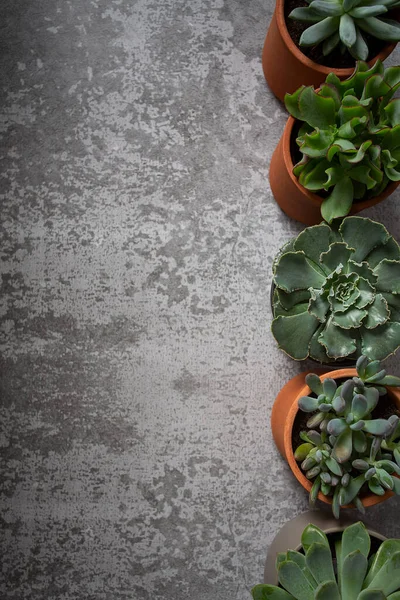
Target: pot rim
314	199
307	62
369	499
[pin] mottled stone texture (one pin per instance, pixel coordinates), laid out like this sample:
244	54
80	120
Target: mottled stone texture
138	370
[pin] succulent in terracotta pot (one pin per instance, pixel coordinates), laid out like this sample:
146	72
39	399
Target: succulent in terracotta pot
342	446
342	23
350	136
341	569
303	64
337	292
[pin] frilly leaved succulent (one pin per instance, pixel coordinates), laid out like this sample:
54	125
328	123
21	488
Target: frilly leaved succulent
350	137
344	449
350	574
342	23
337	292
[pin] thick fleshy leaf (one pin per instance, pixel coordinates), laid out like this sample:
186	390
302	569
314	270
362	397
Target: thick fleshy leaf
305	15
314	383
329	91
316	110
359	442
338	203
330	43
311	535
378	312
319	32
338	342
313	241
295	272
347	30
289	299
326	9
354	569
339	252
385	551
362	12
316	143
372	396
293	334
390	251
269	592
388	578
292	103
292	578
302	451
316	178
383	29
318	305
328	590
359	406
319	562
363	235
367	293
334	175
352	318
371	595
361	174
348	493
360	49
392	111
376	426
317	350
356	537
308	403
388	273
343	446
375	87
342	146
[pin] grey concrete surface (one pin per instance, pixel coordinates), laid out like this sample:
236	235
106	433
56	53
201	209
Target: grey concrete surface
137	234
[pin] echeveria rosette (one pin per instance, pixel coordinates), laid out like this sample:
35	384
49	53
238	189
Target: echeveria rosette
343	22
337	292
350	137
344	570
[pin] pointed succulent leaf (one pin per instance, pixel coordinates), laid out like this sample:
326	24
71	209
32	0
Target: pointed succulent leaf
388	577
354	569
334	466
348	493
319	32
385	551
383	29
305	15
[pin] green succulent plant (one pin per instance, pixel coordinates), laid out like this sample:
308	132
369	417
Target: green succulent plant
337	292
345	571
342	23
351	451
350	137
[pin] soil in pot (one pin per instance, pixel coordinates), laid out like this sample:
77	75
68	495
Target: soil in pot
335	59
384	409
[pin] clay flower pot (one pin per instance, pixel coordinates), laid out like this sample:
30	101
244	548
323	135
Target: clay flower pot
286	68
283	416
294	199
290	537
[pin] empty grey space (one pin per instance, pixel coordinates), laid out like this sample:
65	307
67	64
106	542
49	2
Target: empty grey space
138	371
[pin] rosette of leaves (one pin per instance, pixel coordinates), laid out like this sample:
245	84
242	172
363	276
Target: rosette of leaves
350	137
344	570
337	292
351	451
343	22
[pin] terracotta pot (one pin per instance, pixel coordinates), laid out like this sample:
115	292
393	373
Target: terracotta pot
283	415
289	537
293	198
286	68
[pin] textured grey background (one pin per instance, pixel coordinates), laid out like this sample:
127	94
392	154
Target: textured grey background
138	371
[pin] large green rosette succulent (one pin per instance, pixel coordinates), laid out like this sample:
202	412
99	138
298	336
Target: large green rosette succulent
337	292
